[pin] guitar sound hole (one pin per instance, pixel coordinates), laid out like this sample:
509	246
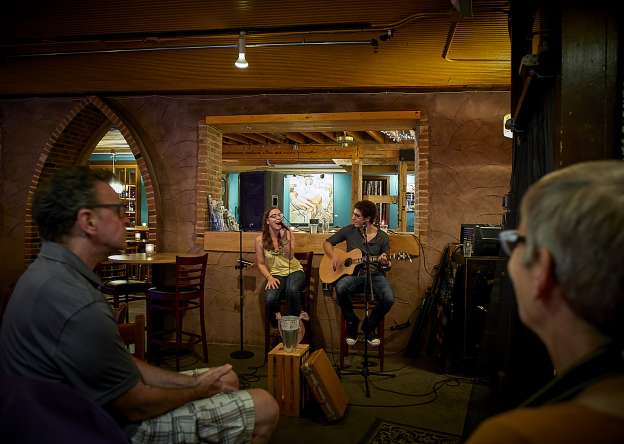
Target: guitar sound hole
348	262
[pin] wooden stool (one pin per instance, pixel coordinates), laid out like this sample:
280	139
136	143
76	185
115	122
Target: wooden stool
284	378
359	304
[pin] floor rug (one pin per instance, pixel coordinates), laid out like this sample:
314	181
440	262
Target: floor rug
387	432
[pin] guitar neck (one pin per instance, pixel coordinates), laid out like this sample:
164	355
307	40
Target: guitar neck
370	258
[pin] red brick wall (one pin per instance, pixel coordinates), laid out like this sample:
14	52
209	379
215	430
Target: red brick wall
422	158
208	175
70	144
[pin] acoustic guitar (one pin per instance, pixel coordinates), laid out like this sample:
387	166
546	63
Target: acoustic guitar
348	261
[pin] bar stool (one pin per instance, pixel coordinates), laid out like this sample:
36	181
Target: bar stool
306	262
187	295
118	284
359	304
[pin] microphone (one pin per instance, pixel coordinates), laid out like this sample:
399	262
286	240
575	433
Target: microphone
285	225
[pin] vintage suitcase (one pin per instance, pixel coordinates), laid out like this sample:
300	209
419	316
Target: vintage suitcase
325	385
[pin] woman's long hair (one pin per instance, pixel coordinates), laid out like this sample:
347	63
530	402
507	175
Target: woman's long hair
267	242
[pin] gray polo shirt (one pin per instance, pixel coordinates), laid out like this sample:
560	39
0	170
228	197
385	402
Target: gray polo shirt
58	327
354	238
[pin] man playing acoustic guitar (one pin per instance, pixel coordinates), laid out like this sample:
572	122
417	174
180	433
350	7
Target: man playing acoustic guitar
363	218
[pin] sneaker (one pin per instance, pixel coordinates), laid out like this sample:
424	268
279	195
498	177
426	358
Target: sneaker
373	340
352	333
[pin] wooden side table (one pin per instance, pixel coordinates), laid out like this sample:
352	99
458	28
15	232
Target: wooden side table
285	380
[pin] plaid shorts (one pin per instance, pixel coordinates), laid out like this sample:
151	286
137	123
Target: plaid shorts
222	418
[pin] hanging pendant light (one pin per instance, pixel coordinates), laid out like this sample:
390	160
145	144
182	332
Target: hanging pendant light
345	140
115	184
241	63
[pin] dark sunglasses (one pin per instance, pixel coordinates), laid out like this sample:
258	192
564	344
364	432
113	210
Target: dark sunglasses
120	208
509	240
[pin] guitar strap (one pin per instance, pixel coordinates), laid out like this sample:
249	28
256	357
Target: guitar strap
606	361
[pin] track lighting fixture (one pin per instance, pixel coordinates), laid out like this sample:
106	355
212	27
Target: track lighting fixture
241	63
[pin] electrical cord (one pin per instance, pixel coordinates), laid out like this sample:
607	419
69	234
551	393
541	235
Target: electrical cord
422	251
432	394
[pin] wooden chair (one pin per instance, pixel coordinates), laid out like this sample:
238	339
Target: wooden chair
359	304
133	333
306	259
188	294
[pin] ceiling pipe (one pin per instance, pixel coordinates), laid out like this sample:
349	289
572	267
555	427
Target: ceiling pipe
386	30
371	42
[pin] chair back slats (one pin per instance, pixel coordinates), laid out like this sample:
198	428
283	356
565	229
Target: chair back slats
188	295
191	272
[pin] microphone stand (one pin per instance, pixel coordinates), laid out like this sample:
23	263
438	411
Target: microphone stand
368	294
240	266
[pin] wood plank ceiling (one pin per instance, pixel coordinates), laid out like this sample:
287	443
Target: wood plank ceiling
189	46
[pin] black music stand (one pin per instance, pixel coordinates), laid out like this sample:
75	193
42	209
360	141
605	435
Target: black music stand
240	266
368	295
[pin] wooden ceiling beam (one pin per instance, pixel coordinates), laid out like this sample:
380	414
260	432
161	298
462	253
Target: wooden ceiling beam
272	137
329	135
375	135
236	139
319	122
316	117
357	137
255	138
315	137
296	138
285	152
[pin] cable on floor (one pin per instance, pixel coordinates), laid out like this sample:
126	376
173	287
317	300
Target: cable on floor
433	394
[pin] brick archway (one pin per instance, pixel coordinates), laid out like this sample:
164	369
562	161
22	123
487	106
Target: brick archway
70	144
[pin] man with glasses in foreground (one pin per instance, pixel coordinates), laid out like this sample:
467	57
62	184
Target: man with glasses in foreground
568	275
58	327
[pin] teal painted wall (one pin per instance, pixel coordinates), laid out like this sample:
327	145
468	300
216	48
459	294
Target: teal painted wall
232	202
342	199
393	184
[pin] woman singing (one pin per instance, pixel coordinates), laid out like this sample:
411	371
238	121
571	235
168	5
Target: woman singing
275	250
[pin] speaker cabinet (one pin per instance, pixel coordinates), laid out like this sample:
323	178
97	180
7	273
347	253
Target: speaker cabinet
258	191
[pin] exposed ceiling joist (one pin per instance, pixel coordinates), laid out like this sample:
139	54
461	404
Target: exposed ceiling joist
375	136
329	135
315	137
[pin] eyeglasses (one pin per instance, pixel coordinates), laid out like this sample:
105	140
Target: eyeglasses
509	240
356	215
121	208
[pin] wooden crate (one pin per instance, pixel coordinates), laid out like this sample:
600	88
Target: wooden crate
285	380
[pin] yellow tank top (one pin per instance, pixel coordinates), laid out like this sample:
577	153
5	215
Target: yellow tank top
279	265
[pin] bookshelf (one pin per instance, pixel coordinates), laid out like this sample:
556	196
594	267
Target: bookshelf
376	189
